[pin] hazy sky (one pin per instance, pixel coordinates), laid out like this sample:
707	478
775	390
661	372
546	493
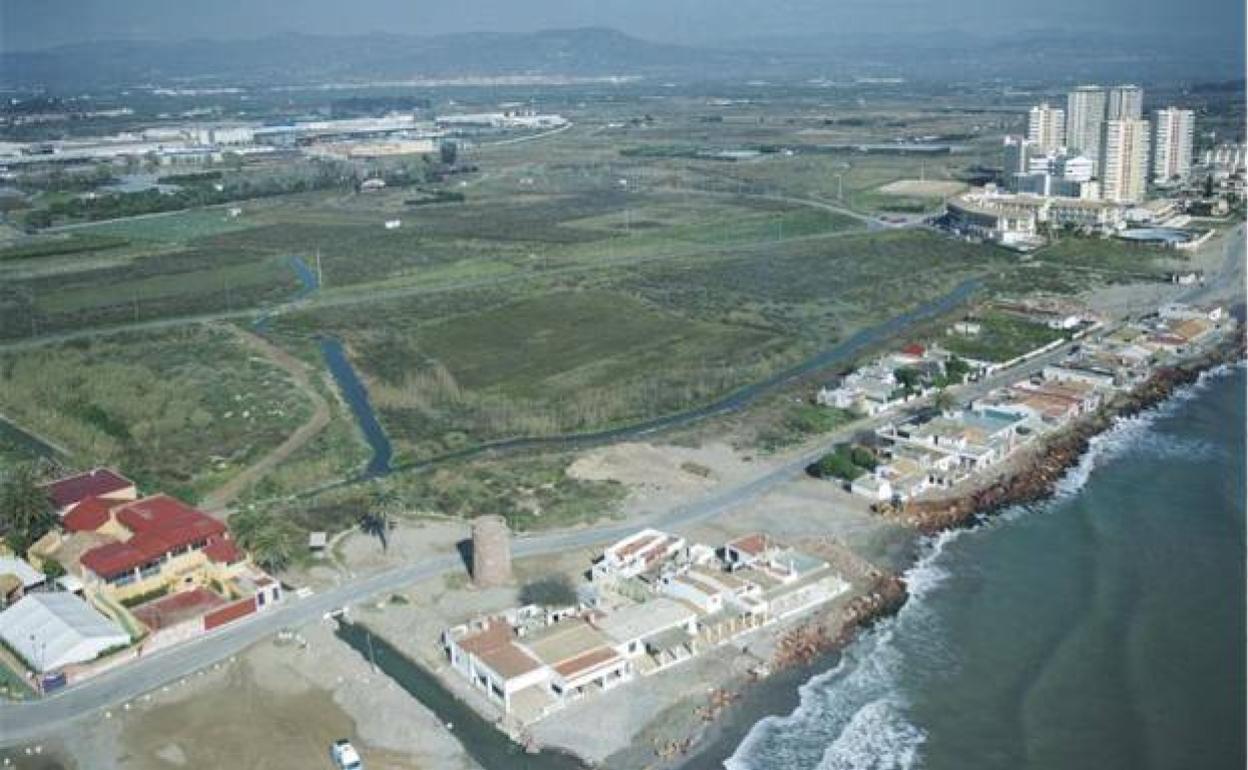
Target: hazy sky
30	24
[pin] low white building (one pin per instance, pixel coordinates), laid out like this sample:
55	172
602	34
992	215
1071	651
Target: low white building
53	630
635	554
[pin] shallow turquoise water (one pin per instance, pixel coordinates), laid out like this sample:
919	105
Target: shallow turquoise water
1102	629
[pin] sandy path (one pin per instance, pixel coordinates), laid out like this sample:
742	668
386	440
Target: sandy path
217	500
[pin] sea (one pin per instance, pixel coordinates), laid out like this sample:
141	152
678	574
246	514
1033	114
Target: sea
1103	628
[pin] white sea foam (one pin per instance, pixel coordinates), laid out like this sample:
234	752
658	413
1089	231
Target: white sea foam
878	737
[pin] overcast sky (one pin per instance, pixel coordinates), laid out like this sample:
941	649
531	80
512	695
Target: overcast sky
31	24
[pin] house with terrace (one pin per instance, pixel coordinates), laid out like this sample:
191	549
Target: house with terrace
638	553
161	543
977	438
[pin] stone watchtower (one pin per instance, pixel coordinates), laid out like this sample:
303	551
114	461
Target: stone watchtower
491	552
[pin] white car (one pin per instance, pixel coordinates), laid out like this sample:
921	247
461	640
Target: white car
345	756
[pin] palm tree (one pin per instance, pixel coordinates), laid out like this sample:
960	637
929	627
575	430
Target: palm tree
386	504
25	510
246	523
271	547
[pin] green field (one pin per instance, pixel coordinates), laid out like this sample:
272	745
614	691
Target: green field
179	411
1003	337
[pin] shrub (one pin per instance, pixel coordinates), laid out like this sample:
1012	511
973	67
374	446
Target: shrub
550	591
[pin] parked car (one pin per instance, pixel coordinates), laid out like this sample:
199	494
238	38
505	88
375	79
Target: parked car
345	756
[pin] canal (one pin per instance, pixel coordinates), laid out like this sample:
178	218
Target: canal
480	738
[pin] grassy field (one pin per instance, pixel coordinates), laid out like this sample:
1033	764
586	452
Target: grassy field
531	492
553	362
1003	337
817	290
179	411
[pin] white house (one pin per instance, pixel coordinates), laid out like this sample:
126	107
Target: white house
635	554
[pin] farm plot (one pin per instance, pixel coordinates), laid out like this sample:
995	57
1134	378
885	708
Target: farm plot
174	283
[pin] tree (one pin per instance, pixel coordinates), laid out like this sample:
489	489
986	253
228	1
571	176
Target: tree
862	457
25	511
837	465
908	377
449	152
377	521
53	569
272	547
943	400
956	370
550	591
270	541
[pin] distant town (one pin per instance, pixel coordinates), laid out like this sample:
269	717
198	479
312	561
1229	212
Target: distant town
1089	168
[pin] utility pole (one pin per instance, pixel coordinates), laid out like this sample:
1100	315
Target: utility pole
372	658
319	279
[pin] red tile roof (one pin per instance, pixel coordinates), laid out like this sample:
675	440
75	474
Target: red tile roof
754	544
914	349
88	515
586	662
160	524
223	551
72	489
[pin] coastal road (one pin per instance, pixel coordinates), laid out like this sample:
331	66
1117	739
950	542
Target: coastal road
25	722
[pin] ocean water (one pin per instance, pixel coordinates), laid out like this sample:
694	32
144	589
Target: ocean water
1101	629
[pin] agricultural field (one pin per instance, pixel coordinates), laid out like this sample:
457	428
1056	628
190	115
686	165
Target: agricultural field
180	411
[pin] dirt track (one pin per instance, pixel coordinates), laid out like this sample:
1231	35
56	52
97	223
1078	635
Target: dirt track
217	500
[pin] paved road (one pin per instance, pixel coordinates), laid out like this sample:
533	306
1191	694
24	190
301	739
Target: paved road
21	723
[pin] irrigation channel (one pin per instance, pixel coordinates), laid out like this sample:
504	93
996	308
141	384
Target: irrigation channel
349	383
486	744
28	443
356	395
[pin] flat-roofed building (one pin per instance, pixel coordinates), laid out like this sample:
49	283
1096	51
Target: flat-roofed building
1085	112
53	630
1046	127
1124	160
657	633
1173	130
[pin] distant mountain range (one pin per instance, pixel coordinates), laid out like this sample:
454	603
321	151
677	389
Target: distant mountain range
952	56
308	58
